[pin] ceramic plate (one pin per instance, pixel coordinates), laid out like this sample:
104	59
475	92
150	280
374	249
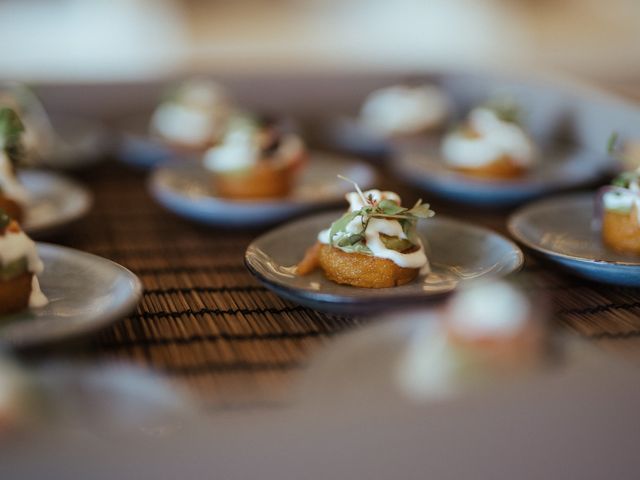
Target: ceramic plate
112	398
349	135
138	149
386	360
458	252
562	230
85	293
185	188
560	168
80	143
55	202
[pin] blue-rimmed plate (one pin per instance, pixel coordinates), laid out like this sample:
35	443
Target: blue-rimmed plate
458	252
85	292
138	148
562	230
186	189
559	168
350	135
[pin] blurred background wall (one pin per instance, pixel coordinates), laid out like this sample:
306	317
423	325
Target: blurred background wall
115	40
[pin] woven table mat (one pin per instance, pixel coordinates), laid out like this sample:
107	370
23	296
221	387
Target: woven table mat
208	324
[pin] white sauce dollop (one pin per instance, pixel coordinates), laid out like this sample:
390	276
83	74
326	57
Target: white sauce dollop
10	187
376	226
402	110
492	310
240	150
356	203
624	199
495	139
17	245
197	115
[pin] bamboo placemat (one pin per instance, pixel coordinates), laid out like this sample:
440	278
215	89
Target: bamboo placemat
208	324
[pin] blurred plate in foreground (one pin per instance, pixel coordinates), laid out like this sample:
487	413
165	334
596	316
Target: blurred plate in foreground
561	230
375	362
186	189
85	292
458	252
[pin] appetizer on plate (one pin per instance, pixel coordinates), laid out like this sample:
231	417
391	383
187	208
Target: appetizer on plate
58	140
405	110
13	196
194	116
19	265
496	323
621	213
374	245
486	333
490	144
255	160
39	138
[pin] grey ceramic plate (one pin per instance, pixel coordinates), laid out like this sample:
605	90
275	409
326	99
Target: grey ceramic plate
185	188
56	201
81	142
371	362
458	252
85	293
348	134
560	168
562	230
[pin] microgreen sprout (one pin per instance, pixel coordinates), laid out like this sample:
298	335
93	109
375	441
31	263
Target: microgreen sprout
355	184
625	179
11	130
5	220
383	209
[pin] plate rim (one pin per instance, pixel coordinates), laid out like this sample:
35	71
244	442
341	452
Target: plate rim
285	202
402	150
101	321
333	299
520	238
95	128
79	188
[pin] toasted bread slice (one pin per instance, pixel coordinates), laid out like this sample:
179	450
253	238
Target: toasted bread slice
503	168
621	231
12	209
14	293
360	270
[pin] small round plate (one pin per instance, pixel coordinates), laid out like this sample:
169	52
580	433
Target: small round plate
86	293
349	135
185	188
80	143
458	253
111	397
137	148
55	202
561	229
560	168
143	152
387	361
